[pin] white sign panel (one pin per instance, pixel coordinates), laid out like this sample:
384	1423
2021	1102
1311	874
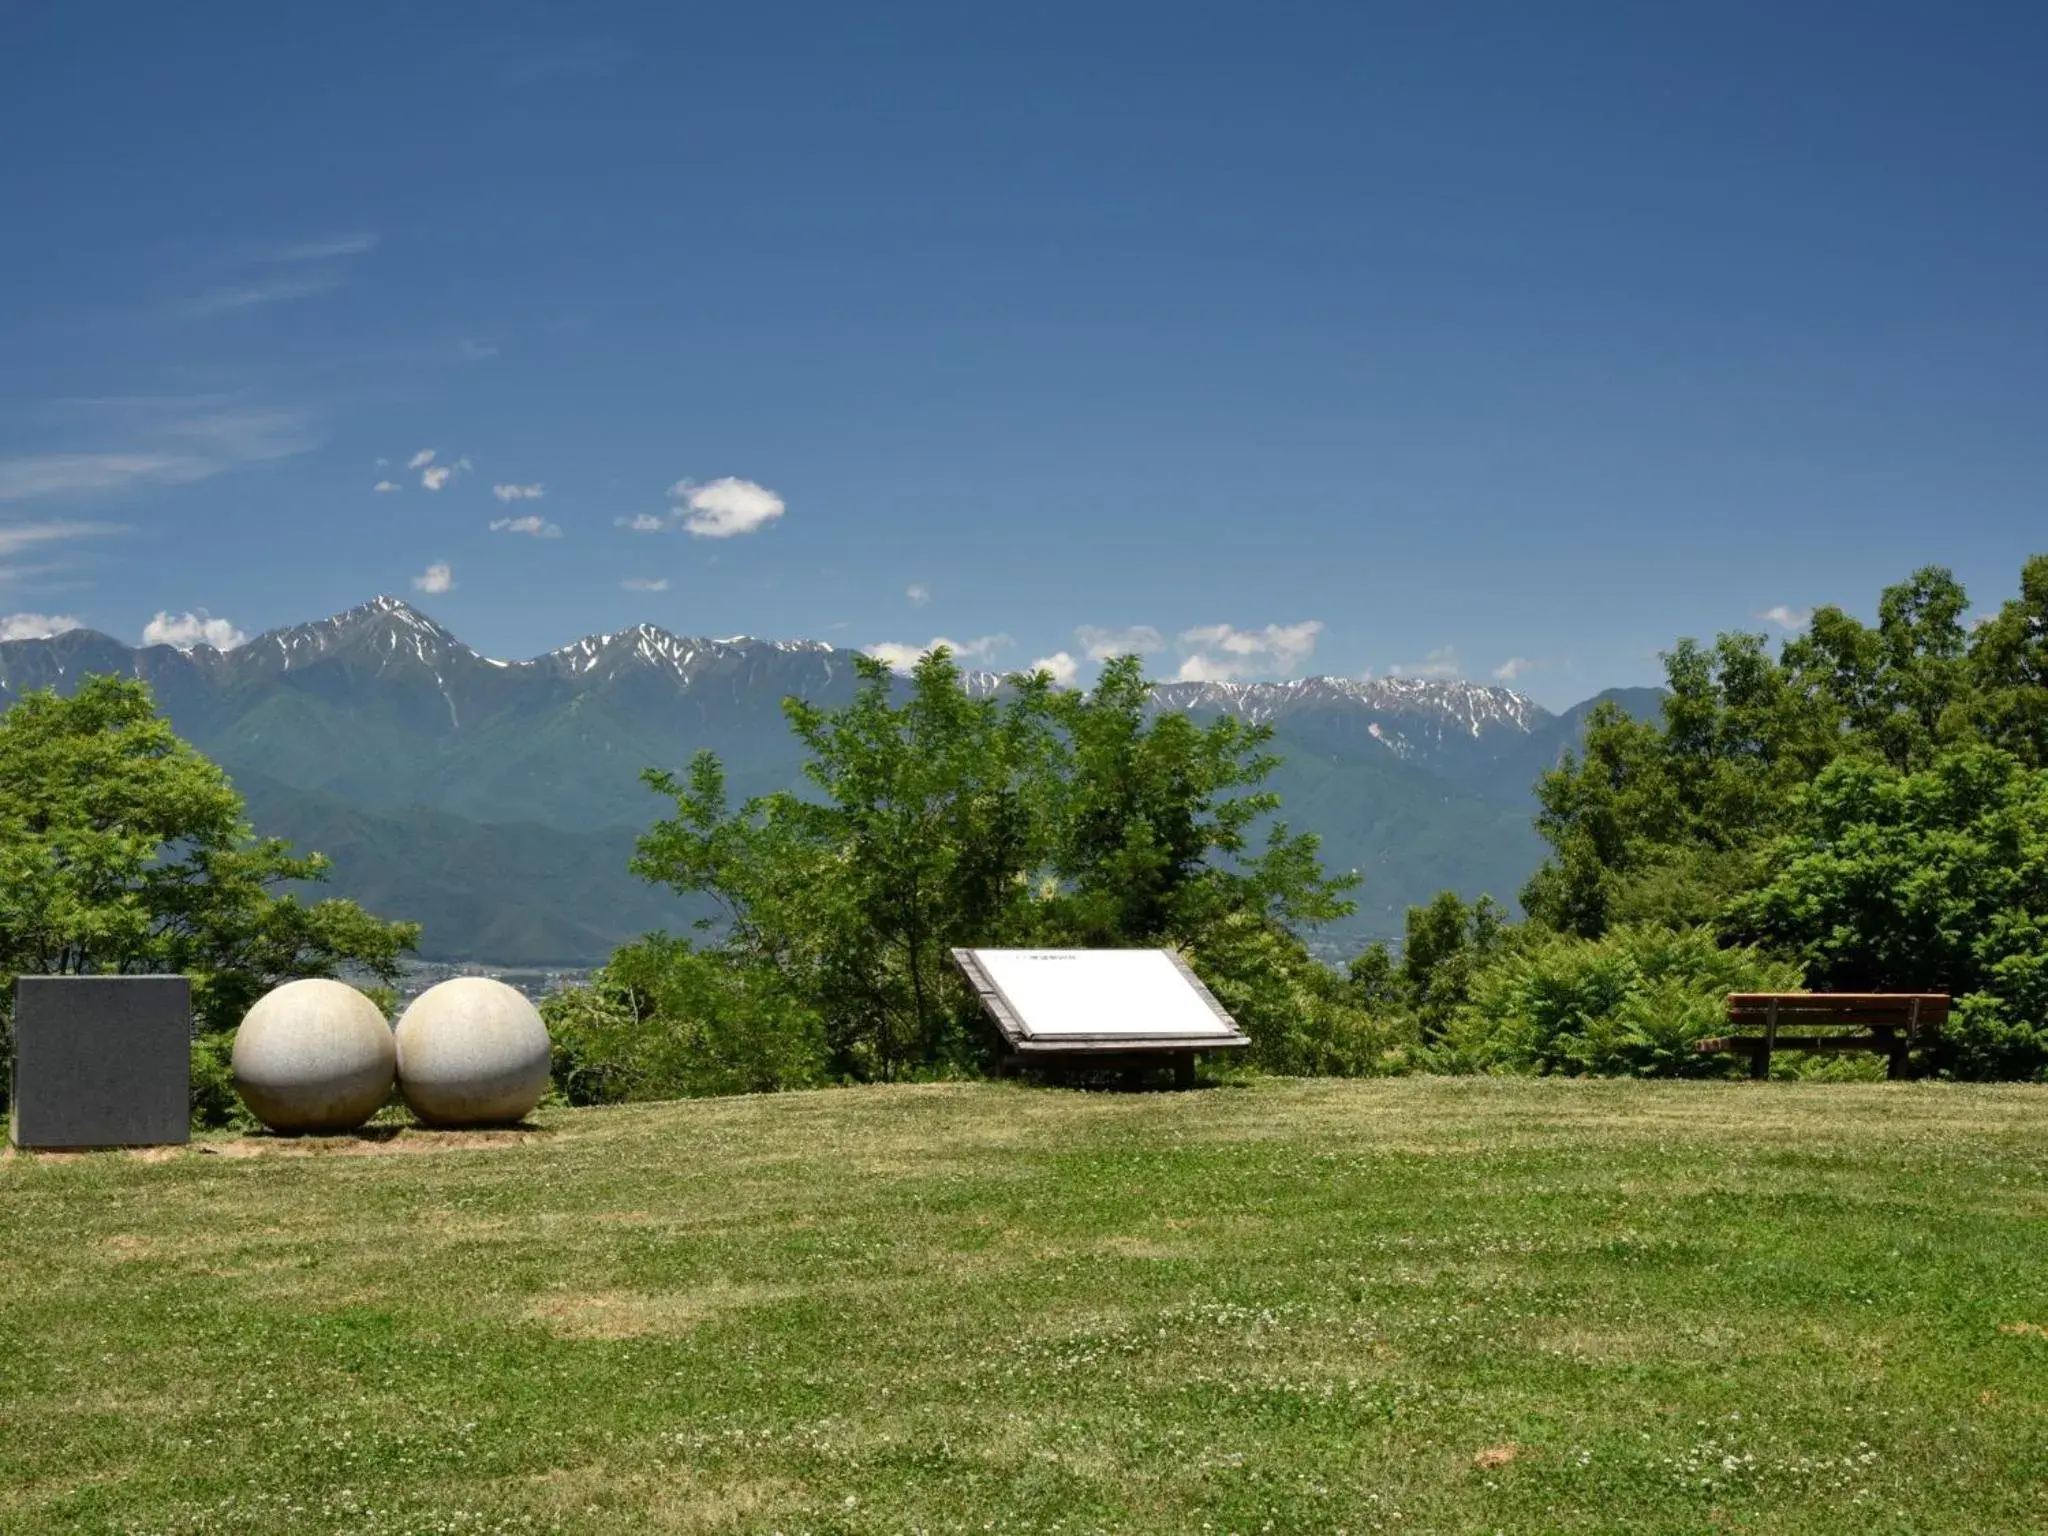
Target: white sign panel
1138	993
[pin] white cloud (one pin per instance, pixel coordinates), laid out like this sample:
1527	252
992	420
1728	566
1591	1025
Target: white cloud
1786	617
1208	669
435	578
899	657
645	583
186	630
918	593
538	527
387	485
1221	653
517	492
1435	666
642	522
726	508
1061	664
1514	667
36	626
434	476
421	459
1101	644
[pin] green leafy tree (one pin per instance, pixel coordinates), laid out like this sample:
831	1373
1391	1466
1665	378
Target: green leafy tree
1932	880
1447	945
1152	819
123	850
941	819
2009	665
922	836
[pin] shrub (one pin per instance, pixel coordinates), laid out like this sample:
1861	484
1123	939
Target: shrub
1631	1003
1303	1018
664	1020
1984	1042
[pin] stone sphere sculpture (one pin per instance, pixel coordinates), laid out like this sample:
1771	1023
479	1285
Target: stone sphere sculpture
314	1055
472	1051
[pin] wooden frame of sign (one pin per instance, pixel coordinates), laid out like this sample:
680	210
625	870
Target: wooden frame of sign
1170	1015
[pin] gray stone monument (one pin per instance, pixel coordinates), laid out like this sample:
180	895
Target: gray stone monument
102	1061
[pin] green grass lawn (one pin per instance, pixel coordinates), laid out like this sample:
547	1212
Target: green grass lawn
1414	1305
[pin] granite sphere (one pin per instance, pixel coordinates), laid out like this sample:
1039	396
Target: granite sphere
313	1055
472	1051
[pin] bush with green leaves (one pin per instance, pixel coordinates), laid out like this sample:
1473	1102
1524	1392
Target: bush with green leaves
1631	1003
1304	1019
664	1020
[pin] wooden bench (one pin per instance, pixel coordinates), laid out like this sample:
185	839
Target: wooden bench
1896	1022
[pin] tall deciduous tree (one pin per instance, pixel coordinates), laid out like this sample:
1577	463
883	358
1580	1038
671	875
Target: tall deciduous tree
122	849
944	819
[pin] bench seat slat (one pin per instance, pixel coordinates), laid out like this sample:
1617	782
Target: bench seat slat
1810	1018
1836	998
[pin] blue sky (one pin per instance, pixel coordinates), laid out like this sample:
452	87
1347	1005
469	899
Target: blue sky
1484	339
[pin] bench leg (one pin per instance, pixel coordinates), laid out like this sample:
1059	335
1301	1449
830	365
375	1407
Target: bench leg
1898	1065
1760	1060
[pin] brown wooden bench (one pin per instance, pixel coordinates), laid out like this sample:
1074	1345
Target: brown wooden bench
1895	1023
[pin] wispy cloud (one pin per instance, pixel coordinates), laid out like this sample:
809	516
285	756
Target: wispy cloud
387	485
17	537
333	249
186	630
1101	644
645	583
434	476
1787	617
167	442
518	492
435	578
899	657
1436	666
726	508
421	459
1222	653
1516	666
918	593
36	626
536	526
642	522
277	290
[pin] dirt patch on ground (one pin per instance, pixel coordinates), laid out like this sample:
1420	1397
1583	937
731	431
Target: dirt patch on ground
1497	1455
640	1314
378	1142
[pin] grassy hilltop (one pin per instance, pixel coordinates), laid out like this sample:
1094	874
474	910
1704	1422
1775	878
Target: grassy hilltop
1413	1305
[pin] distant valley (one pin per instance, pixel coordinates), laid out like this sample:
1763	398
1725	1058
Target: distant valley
497	802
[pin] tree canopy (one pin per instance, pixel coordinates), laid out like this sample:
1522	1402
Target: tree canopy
123	850
938	818
1869	803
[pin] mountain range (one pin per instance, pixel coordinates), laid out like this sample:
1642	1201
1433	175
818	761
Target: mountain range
497	801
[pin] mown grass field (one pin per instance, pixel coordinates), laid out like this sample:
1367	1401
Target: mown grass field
1417	1305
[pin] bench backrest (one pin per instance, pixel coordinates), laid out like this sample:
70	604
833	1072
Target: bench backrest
1929	1010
